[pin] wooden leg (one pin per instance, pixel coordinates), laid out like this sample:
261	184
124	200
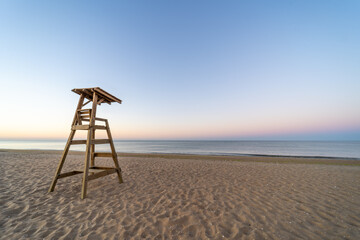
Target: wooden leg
119	176
86	168
89	146
92	150
62	160
114	154
117	167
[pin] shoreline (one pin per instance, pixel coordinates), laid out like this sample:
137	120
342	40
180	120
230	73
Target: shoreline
279	159
348	150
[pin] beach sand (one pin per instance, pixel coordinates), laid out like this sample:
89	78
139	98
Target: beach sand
180	197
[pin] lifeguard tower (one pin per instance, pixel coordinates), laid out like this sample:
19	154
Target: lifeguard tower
85	119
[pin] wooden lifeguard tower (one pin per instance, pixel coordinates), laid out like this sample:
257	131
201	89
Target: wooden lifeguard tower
97	96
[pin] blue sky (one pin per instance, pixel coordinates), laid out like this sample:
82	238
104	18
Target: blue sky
185	69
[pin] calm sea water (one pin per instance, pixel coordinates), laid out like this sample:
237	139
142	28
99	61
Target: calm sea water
349	149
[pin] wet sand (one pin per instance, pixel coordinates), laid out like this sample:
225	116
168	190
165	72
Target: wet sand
181	197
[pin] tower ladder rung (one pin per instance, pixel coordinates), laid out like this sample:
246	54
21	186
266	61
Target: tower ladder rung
100	141
87	127
96	141
102	173
103	154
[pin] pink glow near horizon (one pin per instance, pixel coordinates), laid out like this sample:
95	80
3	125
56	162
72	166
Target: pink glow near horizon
189	132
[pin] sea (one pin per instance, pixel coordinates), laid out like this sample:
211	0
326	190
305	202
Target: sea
319	149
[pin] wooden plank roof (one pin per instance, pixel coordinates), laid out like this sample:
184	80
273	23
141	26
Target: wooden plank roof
103	96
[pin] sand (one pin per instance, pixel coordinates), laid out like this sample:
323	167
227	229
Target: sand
177	197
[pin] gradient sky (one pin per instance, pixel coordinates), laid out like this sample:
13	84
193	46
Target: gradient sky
184	69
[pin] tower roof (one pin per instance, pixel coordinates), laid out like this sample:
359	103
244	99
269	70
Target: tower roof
103	96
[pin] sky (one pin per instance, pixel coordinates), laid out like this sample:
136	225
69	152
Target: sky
212	70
